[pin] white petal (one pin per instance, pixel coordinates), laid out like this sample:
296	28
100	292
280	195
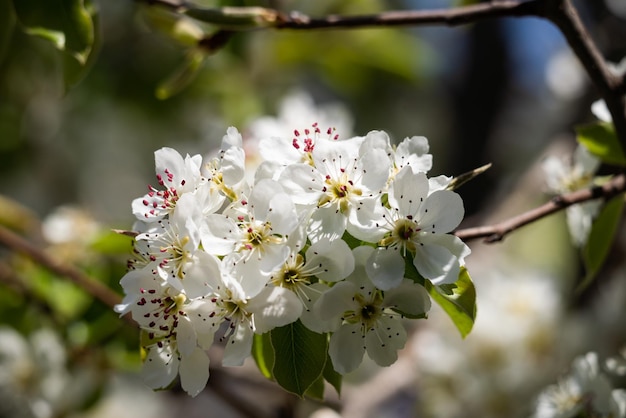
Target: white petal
168	159
346	348
303	183
279	150
160	367
310	316
333	260
232	138
383	342
365	221
375	139
601	111
185	336
407	191
202	276
274	307
385	268
219	234
238	346
586	162
414	153
326	224
194	372
233	162
409	297
336	301
375	165
436	263
441	212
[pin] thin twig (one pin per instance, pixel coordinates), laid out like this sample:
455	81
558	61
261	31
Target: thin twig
449	17
610	86
497	232
88	284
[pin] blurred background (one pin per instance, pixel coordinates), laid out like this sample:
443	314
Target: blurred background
72	158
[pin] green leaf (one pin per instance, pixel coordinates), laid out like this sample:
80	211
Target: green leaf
300	357
182	76
263	354
410	272
353	242
72	18
316	390
601	140
183	29
601	238
458	301
332	376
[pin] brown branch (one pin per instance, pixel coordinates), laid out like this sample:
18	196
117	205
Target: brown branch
88	284
449	17
497	232
610	86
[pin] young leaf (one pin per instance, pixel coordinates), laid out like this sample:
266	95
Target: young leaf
410	272
263	354
601	140
72	18
459	302
182	76
601	238
460	180
300	356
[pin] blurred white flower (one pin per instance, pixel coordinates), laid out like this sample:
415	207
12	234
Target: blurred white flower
33	372
563	176
69	225
565	76
495	371
585	388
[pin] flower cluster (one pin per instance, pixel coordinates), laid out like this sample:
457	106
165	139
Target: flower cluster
321	234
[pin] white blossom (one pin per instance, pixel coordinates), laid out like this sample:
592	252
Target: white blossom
415	223
563	176
370	321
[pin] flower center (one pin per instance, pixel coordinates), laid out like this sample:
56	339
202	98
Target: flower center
404	234
178	254
368	312
217	180
339	191
291	276
258	235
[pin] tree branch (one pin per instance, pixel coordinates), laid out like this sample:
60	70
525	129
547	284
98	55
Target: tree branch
609	85
449	17
497	232
88	284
